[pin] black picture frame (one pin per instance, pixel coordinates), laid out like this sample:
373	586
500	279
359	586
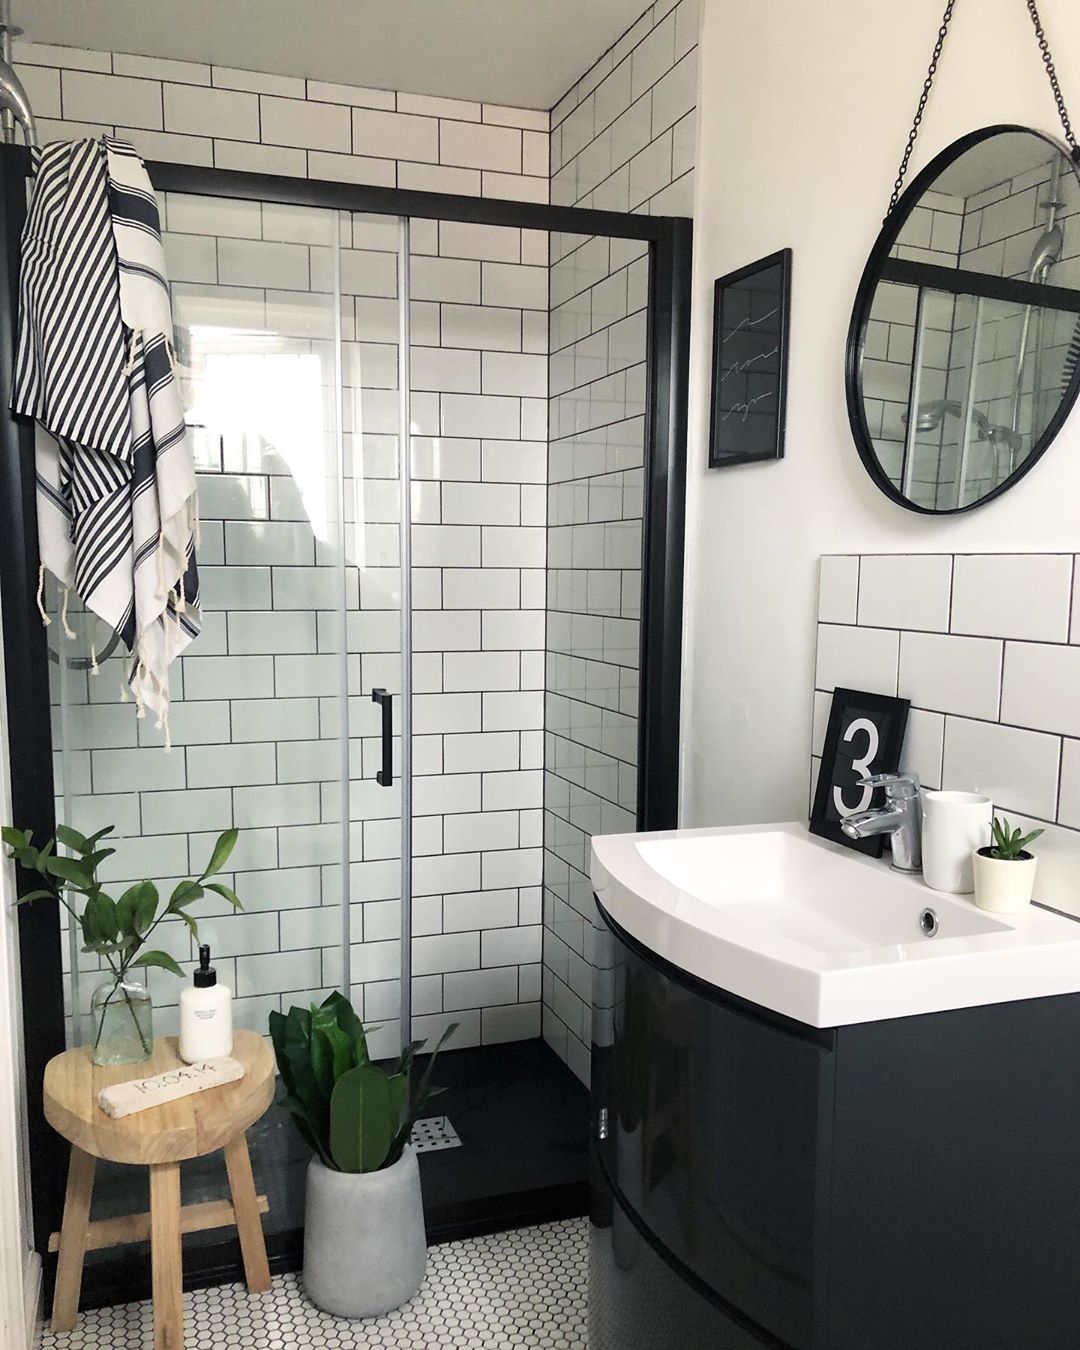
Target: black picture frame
840	766
751	310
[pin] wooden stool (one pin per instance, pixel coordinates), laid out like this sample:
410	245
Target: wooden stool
160	1138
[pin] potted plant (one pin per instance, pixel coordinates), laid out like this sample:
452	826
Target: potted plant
1005	871
117	931
365	1248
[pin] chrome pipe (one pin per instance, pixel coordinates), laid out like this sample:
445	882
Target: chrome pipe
13	97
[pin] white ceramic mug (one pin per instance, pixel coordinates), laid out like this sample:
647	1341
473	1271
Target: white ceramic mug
954	825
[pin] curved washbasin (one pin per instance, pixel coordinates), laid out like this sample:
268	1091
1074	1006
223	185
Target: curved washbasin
818	932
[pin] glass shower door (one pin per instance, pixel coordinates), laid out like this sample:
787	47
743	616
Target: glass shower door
287	333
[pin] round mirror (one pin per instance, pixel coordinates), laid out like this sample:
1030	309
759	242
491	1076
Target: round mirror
964	352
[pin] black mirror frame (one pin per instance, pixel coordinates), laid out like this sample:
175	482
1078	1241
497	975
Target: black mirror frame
868	283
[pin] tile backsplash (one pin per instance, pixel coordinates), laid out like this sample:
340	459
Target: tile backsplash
987	648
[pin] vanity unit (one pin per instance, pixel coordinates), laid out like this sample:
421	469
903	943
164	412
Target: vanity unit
832	1109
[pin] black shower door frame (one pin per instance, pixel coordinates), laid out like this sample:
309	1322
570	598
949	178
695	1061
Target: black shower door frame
29	729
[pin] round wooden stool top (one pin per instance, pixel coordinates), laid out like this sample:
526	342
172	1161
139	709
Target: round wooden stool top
171	1132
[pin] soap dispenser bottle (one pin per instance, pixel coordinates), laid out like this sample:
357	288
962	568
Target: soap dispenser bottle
205	1015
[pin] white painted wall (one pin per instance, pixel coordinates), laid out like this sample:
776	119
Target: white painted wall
803	112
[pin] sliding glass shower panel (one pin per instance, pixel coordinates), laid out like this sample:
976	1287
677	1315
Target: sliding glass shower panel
257	698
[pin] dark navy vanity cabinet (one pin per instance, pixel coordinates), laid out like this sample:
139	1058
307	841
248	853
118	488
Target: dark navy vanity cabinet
911	1184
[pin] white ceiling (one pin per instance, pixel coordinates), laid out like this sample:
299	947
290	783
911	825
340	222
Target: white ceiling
522	52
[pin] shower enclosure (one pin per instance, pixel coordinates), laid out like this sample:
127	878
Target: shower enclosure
440	453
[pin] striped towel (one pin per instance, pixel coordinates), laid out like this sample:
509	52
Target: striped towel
117	507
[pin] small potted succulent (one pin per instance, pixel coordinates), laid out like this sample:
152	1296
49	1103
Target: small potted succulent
116	931
365	1248
1005	870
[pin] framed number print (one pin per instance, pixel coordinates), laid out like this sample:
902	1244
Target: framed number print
751	309
864	737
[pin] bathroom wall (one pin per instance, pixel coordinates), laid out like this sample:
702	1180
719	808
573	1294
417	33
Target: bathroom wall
254	725
987	649
798	146
622	139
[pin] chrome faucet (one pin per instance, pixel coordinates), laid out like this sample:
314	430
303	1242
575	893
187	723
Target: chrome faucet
900	818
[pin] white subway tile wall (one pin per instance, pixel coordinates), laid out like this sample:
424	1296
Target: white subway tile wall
613	146
622	138
985	648
190	113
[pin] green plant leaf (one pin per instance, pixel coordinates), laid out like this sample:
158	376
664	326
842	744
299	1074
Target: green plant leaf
16	839
361	1131
125	910
71	838
192	926
220	856
35	895
398	1084
92	861
159	959
146	907
420	1099
184	892
306	1127
93	840
226	894
69	869
103	916
322	1061
306	1088
277	1037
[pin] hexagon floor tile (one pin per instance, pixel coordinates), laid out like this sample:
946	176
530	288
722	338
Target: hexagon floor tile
522	1288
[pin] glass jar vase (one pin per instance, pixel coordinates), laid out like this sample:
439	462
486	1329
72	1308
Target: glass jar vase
122	1017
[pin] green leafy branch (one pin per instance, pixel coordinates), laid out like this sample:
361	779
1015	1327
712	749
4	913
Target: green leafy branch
116	930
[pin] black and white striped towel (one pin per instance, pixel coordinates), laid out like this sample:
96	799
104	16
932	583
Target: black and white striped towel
117	507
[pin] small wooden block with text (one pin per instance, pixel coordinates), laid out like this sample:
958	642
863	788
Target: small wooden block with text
138	1094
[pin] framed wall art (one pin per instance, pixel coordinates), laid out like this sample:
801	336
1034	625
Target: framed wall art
751	311
865	736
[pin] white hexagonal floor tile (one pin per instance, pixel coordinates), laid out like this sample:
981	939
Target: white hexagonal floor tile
521	1288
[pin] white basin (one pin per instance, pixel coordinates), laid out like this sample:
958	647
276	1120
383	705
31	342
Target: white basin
821	933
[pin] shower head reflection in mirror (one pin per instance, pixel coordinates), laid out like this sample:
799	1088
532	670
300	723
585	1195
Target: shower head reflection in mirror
962	360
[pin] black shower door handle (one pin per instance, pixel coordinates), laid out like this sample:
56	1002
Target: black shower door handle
385	776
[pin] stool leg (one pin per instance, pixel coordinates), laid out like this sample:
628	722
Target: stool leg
76	1220
165	1258
248	1219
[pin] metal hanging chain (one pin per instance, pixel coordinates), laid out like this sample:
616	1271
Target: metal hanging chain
928	84
1051	72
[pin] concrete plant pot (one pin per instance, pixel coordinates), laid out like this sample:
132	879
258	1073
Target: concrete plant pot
1003	886
365	1249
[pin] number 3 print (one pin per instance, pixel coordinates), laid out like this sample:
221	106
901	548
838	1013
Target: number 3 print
861	767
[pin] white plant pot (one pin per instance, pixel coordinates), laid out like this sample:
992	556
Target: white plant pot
1004	886
365	1249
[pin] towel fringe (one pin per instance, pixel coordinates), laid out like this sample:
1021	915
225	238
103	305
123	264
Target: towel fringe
69	632
45	620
